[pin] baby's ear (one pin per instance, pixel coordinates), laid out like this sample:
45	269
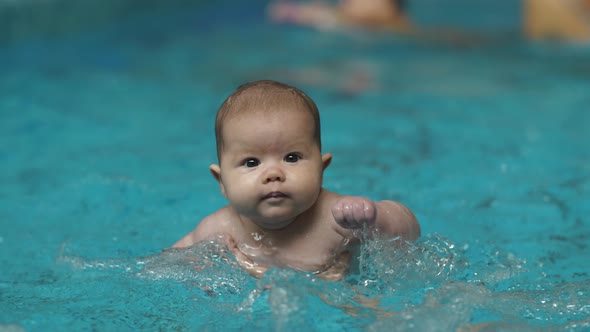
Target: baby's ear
216	172
326	160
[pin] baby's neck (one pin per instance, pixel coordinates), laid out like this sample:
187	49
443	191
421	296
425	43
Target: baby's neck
266	226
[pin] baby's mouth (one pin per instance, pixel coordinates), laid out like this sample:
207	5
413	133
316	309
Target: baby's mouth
274	195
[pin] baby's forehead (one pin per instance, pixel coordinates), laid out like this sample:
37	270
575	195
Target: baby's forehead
267	109
269	127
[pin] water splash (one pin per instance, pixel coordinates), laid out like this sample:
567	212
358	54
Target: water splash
432	284
207	266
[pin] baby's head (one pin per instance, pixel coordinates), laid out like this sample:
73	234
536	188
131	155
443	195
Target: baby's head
268	144
264	97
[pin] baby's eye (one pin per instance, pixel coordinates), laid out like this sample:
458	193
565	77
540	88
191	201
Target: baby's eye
292	158
251	162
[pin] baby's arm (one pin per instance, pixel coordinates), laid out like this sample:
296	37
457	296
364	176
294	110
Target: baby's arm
390	218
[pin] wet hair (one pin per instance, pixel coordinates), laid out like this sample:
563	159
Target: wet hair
264	96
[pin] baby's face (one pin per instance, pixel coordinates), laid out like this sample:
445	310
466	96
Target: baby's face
271	167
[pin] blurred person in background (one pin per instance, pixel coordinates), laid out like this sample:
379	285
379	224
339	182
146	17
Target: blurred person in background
562	20
372	15
369	14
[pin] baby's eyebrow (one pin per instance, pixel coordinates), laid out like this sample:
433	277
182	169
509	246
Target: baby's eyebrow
242	156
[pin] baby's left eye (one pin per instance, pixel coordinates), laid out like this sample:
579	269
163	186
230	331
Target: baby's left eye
292	158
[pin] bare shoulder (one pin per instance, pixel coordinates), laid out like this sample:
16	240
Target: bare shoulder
327	198
325	202
216	224
397	219
395	207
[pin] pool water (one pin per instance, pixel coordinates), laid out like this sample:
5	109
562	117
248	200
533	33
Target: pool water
107	135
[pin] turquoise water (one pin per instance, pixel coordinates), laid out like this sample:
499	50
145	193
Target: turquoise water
107	135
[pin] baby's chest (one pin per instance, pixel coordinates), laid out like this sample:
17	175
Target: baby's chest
309	252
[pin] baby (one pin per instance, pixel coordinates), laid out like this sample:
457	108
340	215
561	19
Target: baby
270	170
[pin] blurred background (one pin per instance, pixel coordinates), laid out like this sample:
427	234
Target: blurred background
474	113
129	89
460	107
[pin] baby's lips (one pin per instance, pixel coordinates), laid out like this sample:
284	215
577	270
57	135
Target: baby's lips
274	194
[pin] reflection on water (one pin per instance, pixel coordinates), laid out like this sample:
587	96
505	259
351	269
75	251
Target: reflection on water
431	285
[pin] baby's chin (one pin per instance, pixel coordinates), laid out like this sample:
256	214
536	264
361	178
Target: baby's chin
274	221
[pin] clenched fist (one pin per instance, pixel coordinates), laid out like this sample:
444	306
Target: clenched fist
354	212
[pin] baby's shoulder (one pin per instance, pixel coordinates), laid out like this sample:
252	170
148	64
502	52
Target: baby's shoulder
223	216
324	216
323	207
327	198
220	221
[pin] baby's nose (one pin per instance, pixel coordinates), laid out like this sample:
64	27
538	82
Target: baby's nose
274	174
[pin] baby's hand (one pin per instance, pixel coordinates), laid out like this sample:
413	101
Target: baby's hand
353	212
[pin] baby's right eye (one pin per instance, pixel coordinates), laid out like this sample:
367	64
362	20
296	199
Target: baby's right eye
251	162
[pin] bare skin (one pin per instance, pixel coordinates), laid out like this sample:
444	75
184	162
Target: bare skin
315	242
558	20
567	20
278	214
371	14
